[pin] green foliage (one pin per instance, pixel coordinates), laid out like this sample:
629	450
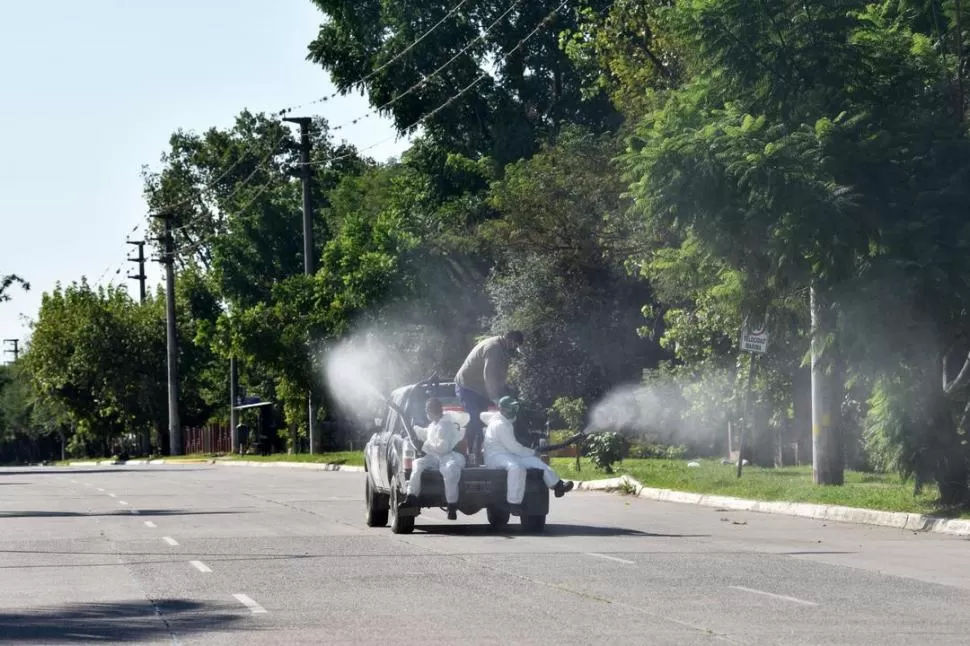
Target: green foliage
605	449
572	411
521	100
8	281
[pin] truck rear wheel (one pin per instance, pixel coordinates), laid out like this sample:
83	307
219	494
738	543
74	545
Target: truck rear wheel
497	517
399	524
533	523
375	517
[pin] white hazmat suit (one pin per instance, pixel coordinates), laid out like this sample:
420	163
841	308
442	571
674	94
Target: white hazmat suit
503	451
440	439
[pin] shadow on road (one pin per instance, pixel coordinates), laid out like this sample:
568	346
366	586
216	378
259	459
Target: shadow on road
126	621
552	529
117	512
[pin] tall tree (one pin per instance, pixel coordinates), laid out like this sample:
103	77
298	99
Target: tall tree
408	70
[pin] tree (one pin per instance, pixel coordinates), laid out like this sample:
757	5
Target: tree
6	282
525	92
814	145
562	244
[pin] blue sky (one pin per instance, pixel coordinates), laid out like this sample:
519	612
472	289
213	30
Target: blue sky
91	92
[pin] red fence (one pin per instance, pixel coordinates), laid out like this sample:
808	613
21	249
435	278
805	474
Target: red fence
208	439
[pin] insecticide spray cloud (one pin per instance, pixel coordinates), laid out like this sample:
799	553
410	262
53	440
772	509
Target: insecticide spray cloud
668	410
361	370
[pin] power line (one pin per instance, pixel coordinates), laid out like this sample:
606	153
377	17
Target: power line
380	69
542	24
433	74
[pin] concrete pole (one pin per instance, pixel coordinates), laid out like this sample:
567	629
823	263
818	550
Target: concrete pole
174	424
233	413
306	174
827	467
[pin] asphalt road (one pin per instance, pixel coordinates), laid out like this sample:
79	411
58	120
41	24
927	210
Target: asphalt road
230	555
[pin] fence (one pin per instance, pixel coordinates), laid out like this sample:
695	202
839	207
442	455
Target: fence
208	439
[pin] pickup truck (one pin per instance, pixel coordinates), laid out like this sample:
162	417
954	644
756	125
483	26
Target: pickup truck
392	449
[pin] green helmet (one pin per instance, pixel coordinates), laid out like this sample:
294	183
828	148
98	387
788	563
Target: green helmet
509	406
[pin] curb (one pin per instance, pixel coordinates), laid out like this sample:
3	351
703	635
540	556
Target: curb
313	466
137	462
835	513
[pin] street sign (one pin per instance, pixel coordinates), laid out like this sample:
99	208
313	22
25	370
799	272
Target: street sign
754	339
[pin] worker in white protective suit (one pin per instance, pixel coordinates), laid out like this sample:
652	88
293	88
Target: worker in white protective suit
503	451
440	438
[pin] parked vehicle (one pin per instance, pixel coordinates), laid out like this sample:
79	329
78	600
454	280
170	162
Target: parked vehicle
390	454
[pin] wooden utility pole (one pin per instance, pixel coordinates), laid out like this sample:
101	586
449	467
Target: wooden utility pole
306	175
168	259
140	276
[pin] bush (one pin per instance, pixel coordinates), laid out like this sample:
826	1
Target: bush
604	449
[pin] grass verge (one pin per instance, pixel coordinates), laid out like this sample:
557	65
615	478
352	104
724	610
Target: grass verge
886	492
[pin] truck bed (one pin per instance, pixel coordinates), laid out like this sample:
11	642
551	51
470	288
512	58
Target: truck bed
482	487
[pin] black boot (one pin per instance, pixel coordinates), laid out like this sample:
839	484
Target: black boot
515	510
453	511
562	487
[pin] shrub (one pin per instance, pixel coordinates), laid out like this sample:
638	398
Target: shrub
604	449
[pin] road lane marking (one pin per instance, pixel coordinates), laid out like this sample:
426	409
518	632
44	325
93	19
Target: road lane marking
100	489
254	607
609	558
74	481
776	596
200	566
150	524
122	502
170	540
113	495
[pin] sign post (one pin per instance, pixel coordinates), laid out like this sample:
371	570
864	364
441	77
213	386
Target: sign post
754	340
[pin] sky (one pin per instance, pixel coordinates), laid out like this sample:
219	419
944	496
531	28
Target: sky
91	93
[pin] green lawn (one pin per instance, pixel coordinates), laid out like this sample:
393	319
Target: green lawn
886	492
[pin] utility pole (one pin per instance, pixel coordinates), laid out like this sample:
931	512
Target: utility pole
168	259
140	276
306	174
827	467
233	414
16	348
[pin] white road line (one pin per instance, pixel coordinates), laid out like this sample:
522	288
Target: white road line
122	502
113	495
170	540
776	596
200	566
254	607
74	481
609	558
100	489
149	523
